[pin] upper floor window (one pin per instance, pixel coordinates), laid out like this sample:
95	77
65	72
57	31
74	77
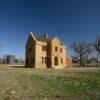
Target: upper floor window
44	48
56	49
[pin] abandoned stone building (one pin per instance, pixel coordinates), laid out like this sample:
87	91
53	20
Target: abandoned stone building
45	52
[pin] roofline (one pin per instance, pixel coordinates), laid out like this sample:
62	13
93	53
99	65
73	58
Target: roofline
32	35
59	40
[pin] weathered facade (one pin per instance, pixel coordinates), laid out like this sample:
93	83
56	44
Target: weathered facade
45	52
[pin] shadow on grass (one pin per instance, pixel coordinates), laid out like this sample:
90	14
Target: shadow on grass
18	66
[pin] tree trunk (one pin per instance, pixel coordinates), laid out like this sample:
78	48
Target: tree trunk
81	61
97	59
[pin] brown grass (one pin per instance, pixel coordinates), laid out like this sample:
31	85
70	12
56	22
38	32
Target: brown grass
18	83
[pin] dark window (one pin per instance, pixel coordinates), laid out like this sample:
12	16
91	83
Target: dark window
44	48
56	61
32	60
30	49
56	49
60	50
44	60
61	60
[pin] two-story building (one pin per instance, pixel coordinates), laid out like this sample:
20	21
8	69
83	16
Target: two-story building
45	52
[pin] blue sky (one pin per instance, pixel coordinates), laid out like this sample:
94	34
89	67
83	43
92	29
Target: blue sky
70	20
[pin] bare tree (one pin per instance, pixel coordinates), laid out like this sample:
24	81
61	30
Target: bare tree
97	48
82	50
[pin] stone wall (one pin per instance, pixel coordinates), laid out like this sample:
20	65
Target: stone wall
60	55
40	54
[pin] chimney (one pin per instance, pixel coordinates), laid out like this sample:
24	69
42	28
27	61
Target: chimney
46	35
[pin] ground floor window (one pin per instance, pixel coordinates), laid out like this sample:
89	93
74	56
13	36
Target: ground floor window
32	60
61	60
56	61
44	60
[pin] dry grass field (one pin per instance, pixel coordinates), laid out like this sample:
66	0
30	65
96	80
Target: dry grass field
18	83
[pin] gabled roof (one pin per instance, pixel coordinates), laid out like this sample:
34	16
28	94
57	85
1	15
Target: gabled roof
31	34
58	39
37	37
41	38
